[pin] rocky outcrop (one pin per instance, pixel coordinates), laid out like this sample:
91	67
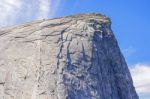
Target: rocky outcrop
75	57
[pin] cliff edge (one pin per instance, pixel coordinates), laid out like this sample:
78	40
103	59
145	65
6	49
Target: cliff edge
74	57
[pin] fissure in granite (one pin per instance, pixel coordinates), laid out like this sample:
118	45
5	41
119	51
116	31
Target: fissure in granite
74	57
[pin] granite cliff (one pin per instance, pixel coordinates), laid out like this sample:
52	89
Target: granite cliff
74	57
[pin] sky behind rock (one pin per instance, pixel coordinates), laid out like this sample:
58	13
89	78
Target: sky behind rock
130	23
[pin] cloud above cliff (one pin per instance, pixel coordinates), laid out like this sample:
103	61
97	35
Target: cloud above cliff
141	78
9	10
20	11
44	8
129	51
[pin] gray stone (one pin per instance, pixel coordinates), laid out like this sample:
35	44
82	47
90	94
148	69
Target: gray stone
74	57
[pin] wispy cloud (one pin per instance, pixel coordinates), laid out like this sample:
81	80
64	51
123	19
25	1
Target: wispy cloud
128	51
141	78
44	8
19	11
8	10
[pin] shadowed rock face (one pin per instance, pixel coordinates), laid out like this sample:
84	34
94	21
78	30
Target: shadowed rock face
75	57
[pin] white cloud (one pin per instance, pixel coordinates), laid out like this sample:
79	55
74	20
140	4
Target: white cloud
20	11
48	8
44	8
141	78
9	10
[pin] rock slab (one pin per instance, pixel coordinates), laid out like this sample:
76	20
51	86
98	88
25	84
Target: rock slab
74	57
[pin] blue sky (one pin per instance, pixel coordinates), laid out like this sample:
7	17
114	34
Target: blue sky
130	24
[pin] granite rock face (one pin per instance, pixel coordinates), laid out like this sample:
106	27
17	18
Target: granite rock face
75	57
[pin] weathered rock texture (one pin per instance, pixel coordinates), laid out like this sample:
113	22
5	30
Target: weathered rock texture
75	57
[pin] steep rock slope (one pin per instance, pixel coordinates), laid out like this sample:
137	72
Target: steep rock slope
75	57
